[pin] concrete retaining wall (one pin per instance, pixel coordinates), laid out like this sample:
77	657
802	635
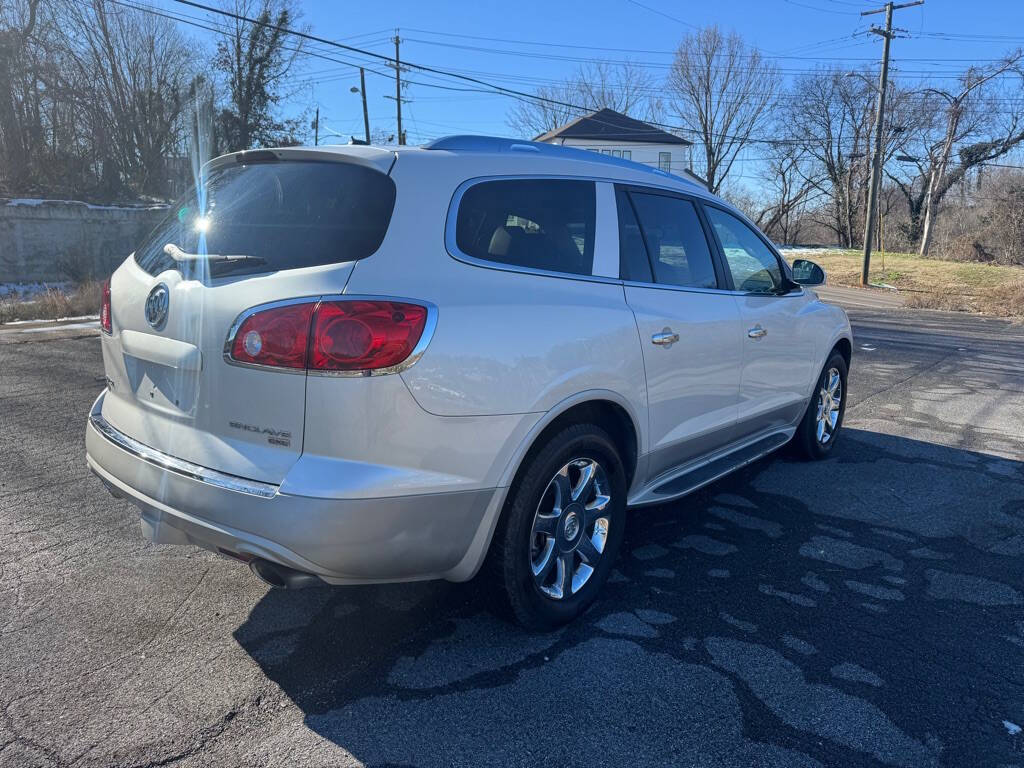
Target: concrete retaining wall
49	240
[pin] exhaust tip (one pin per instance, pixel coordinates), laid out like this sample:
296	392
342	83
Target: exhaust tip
283	577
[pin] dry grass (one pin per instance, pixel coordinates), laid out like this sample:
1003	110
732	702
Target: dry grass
991	289
84	299
1009	299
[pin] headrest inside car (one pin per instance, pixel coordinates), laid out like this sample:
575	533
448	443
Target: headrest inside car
500	242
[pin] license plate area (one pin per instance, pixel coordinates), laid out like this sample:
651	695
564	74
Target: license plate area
162	387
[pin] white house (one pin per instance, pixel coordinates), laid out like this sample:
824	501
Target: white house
613	133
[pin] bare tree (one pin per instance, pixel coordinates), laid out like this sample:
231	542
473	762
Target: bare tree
139	67
724	91
17	24
981	122
98	99
790	184
623	86
968	112
254	59
832	121
984	222
1001	217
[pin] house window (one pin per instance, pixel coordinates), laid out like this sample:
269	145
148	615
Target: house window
627	154
665	161
616	153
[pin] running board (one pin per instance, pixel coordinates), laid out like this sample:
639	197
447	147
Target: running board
696	477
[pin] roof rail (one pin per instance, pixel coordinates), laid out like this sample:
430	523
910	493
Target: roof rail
471	143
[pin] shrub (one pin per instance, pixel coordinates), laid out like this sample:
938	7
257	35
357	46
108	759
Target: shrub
53	303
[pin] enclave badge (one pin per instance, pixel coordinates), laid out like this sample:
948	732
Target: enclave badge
157	304
274	436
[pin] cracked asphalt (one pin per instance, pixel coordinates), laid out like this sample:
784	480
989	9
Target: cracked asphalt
864	610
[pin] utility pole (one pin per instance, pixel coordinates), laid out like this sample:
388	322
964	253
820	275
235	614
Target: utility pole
876	163
366	114
316	127
398	89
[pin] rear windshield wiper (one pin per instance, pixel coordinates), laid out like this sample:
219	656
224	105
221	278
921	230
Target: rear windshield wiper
219	263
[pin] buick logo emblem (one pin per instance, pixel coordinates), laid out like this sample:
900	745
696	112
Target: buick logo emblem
157	304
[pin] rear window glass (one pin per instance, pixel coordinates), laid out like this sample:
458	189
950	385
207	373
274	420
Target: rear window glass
279	215
543	224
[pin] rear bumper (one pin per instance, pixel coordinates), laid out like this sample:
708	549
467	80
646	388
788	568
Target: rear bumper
343	541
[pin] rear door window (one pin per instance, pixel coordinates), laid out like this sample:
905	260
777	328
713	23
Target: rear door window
545	224
678	250
282	215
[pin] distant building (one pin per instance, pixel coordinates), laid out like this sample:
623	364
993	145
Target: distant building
613	133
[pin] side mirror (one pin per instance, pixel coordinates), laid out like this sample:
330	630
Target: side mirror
808	273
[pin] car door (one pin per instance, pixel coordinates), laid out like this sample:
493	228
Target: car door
777	333
689	327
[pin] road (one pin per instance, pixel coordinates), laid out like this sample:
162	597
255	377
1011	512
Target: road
864	610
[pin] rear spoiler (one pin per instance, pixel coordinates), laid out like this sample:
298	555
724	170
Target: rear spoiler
376	158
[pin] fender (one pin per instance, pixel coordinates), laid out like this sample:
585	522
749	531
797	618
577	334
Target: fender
561	407
468	566
840	330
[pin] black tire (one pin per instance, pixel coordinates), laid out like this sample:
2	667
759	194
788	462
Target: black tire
518	545
806	440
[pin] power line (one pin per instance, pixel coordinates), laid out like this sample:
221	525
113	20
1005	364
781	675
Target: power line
822	10
483	86
665	15
436	71
653	51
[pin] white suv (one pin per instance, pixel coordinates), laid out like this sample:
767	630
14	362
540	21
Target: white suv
355	364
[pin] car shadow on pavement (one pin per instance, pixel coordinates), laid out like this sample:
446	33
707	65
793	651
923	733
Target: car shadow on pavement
868	608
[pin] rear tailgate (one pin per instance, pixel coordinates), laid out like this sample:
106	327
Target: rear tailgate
303	224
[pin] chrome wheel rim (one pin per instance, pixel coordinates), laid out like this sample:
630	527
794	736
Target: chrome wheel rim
830	397
570	528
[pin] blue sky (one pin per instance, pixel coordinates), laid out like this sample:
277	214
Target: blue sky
529	43
776	26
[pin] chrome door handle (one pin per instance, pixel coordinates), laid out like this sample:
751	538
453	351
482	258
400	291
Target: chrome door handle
666	338
757	332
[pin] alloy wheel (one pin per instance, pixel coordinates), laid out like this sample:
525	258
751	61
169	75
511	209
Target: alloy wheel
570	528
830	398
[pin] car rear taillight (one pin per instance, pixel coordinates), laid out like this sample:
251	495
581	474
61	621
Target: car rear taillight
277	337
364	335
106	321
343	336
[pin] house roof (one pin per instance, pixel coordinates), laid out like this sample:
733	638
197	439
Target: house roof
609	125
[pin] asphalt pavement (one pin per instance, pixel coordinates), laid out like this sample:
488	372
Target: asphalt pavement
863	610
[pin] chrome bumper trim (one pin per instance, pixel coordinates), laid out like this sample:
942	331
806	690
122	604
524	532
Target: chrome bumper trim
176	465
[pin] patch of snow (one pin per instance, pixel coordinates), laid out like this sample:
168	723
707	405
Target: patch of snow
809	248
23	290
76	318
34	201
69	326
